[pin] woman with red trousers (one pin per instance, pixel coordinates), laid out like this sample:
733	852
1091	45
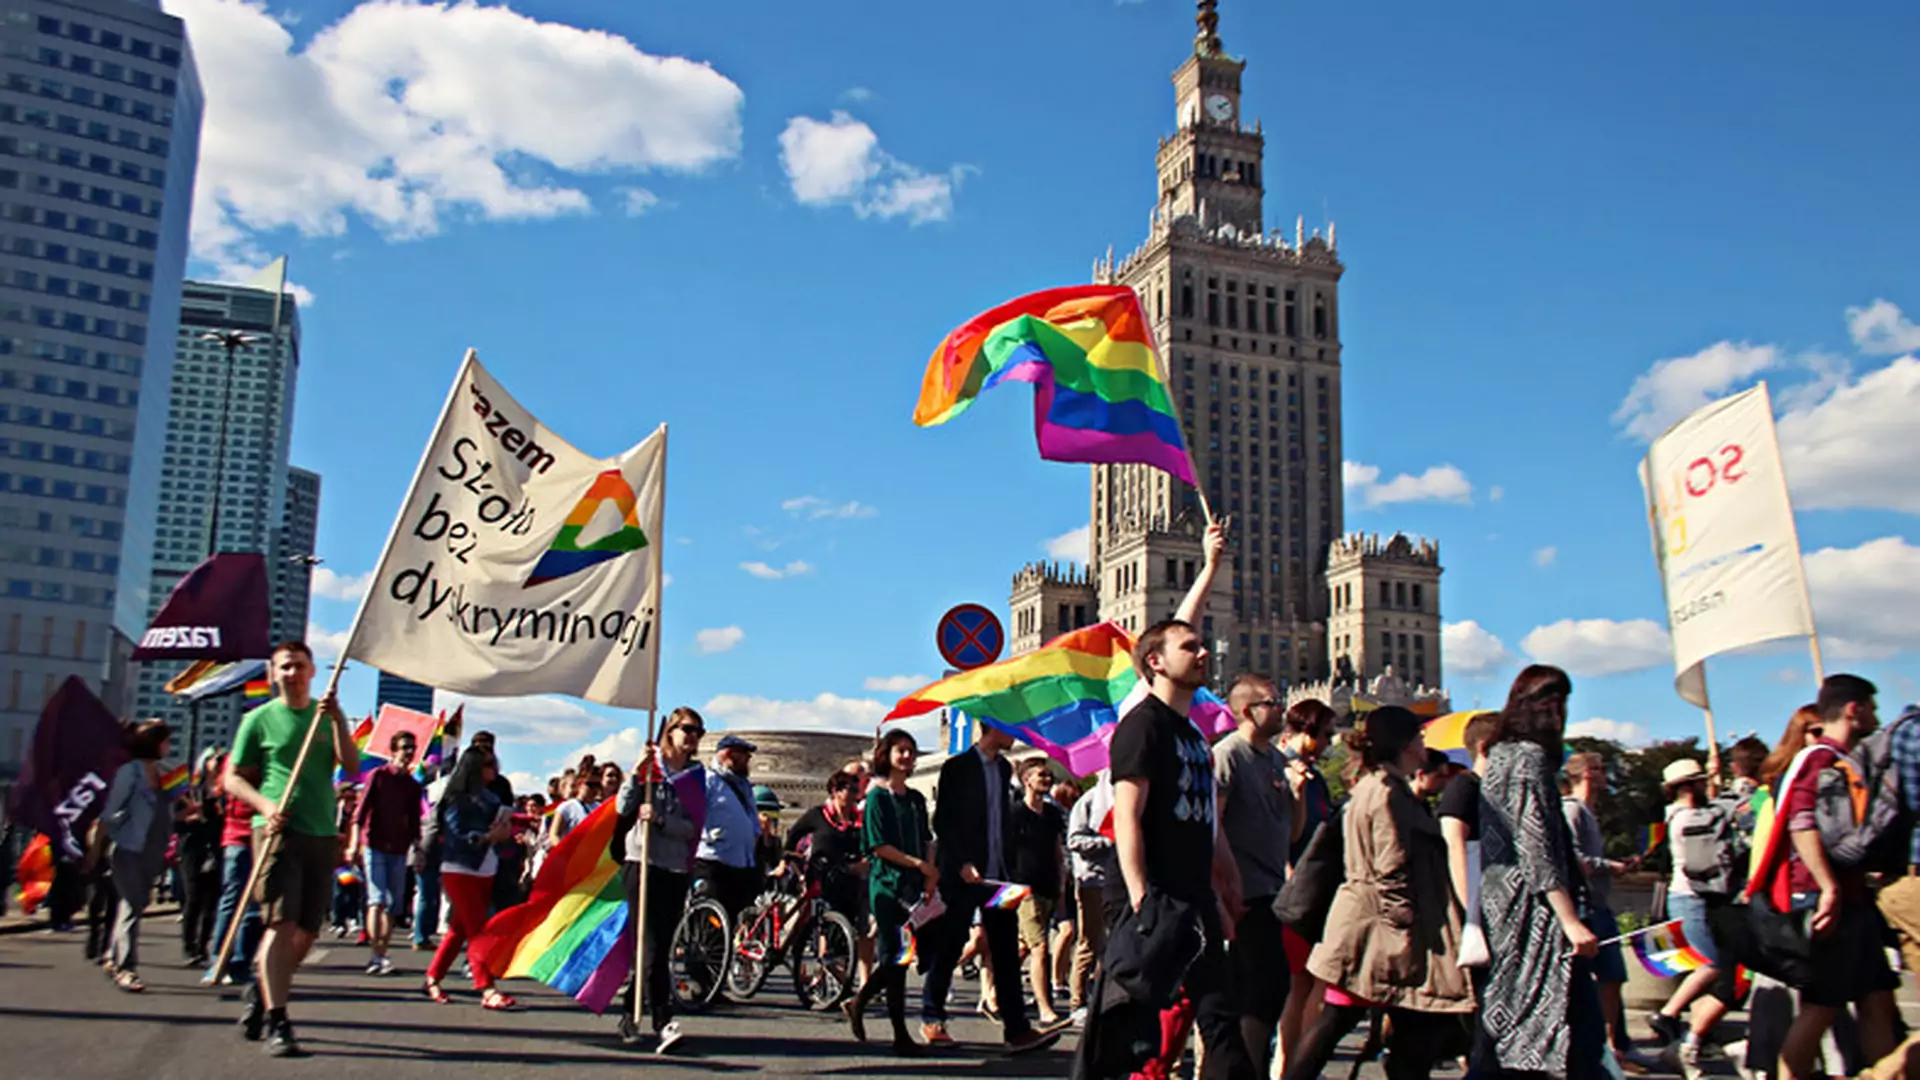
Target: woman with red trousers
472	821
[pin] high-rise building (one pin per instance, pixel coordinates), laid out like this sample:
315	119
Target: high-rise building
291	559
100	110
403	692
224	482
1247	321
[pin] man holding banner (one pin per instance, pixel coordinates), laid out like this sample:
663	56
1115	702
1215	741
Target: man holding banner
295	835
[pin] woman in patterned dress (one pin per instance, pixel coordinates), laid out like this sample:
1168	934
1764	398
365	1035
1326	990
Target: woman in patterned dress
1541	1012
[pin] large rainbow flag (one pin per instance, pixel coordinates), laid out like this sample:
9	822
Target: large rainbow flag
1063	698
1099	395
572	932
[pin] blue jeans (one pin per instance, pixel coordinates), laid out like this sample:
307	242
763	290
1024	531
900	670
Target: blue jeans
426	906
236	867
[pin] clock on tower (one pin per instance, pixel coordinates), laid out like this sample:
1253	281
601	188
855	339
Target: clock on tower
1219	108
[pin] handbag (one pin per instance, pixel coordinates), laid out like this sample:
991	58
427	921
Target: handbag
1307	897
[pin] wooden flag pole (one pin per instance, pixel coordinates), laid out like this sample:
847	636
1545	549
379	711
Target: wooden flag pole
653	754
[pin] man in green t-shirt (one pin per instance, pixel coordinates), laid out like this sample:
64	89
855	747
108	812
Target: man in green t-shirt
297	848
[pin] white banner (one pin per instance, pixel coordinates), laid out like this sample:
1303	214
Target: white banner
520	565
1723	535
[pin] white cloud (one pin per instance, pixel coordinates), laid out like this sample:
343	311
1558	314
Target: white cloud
774	573
1440	483
401	114
666	580
838	162
1471	650
636	201
856	94
1864	598
525	783
1879	329
896	684
813	508
1592	647
624	748
1854	448
326	644
1074	545
718	639
1620	731
1546	556
519	722
334	586
825	712
1672	388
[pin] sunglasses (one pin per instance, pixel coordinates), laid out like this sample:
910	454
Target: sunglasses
696	732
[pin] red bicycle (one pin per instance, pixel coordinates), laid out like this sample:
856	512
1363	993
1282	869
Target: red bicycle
792	922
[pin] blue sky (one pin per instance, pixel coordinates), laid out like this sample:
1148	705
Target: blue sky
753	221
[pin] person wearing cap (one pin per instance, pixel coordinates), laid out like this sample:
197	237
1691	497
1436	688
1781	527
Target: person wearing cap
767	805
727	862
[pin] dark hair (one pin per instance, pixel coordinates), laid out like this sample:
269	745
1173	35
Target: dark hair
1031	764
1479	731
1152	641
1530	715
466	779
840	780
883	751
293	647
1437	761
146	739
399	736
1383	736
1240	695
1311	714
1840	691
1746	757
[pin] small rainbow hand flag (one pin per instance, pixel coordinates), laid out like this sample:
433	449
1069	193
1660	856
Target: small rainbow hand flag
173	782
1652	837
1665	952
909	949
1007	895
258	689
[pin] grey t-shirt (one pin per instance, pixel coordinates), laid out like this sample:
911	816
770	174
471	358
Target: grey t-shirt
1258	818
1590	849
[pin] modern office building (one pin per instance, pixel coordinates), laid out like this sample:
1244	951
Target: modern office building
291	557
100	111
403	692
1247	321
224	477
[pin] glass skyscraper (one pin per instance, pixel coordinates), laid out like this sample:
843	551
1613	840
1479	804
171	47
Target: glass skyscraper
100	111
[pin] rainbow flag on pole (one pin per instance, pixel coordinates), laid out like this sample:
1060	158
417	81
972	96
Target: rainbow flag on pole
1665	951
1063	698
1652	837
1099	395
173	782
1006	895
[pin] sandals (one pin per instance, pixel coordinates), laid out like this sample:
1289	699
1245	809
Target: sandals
436	994
128	981
495	1001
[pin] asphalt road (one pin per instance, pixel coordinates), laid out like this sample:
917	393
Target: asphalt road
61	1019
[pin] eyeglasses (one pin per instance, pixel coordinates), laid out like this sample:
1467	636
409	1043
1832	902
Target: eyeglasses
1270	703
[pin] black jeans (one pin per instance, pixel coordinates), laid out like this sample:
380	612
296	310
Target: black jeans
196	917
666	903
1418	1039
949	939
735	887
1216	1011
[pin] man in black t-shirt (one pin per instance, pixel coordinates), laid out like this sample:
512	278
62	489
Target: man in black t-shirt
1163	819
1039	856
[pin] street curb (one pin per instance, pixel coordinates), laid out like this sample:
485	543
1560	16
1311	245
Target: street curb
26	924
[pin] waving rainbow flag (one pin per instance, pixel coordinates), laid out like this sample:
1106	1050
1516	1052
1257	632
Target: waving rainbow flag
1099	395
173	782
1665	951
1063	698
572	932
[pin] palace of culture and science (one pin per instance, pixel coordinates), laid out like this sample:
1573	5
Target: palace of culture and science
1248	324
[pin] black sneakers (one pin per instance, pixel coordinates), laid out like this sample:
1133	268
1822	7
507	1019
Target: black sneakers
254	1019
281	1043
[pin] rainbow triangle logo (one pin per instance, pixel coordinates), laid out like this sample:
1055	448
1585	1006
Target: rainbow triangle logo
568	556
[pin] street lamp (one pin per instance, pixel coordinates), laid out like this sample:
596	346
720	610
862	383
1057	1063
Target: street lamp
232	341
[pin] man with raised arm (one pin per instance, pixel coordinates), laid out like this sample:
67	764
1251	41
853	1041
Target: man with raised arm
296	879
1164	809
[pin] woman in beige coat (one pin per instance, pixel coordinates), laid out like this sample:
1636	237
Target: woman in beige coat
1394	927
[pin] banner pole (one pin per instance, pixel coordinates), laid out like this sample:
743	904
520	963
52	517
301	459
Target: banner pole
652	751
1793	530
339	667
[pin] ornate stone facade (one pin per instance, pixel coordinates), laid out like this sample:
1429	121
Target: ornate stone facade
1048	600
1386	608
796	764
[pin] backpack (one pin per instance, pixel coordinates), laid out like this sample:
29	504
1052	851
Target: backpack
1709	848
1882	841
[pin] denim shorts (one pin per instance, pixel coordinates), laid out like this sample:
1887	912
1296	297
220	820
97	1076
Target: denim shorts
1692	913
386	880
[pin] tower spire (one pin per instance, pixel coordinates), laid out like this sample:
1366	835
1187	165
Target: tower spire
1206	42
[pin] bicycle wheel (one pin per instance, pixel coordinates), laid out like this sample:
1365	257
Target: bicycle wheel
824	963
753	950
702	948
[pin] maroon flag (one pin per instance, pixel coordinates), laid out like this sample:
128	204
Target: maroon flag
76	750
217	612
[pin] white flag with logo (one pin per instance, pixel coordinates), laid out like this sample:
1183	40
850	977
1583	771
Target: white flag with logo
520	565
1723	535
